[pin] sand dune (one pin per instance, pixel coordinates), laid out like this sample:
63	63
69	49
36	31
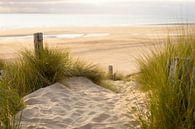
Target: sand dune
82	105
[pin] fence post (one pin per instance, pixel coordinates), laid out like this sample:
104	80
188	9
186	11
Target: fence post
110	71
172	68
188	67
38	43
182	69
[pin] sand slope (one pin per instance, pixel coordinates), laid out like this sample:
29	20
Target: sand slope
81	105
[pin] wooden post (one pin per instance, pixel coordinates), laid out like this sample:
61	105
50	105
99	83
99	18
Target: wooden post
172	69
188	67
183	70
110	71
38	43
178	67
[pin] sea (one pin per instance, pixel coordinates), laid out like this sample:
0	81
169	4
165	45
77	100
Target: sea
10	21
133	15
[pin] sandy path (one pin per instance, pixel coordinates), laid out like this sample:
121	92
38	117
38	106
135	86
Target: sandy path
84	105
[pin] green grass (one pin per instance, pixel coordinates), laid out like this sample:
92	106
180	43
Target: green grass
90	71
171	102
51	66
30	73
108	84
95	74
10	104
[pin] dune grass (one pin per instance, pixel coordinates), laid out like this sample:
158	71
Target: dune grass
88	70
118	76
108	84
94	73
52	65
30	73
10	104
171	101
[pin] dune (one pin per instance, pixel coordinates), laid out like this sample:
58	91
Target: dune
81	104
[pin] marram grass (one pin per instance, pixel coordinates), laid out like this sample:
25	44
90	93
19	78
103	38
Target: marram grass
10	104
88	70
171	102
30	73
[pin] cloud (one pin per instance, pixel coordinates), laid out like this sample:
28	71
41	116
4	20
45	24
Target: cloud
88	6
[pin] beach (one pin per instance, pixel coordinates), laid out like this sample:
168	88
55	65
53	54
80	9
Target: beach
97	64
104	46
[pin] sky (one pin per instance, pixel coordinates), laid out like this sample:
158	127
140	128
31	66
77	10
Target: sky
91	6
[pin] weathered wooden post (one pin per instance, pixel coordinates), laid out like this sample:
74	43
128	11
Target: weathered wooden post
172	69
38	43
182	69
188	69
110	71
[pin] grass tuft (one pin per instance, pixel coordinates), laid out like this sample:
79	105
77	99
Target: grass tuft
90	71
109	85
10	104
170	104
30	73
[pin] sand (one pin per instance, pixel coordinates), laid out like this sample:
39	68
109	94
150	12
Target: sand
82	104
117	46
